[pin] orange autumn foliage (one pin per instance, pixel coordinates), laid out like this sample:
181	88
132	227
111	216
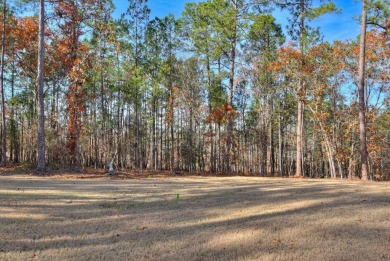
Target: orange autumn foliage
73	52
221	115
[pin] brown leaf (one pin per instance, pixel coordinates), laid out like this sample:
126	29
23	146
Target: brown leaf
141	228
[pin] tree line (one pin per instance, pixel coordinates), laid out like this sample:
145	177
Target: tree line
220	89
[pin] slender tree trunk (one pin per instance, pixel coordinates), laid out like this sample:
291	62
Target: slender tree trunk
280	158
103	112
340	168
299	157
13	150
299	171
332	168
229	136
3	125
208	68
191	160
95	131
172	149
41	98
155	133
172	120
270	149
272	152
351	157
264	143
118	133
78	153
362	106
161	139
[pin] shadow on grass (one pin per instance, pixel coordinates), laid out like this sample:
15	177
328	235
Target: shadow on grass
213	219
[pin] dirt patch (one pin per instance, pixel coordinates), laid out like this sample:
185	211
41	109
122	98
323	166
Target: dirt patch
197	218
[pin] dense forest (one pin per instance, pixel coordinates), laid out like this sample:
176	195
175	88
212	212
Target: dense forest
221	89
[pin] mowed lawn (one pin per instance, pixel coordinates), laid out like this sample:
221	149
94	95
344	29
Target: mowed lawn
237	218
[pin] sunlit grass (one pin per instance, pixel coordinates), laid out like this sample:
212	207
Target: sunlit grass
234	218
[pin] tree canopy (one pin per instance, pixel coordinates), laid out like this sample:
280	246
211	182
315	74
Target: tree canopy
221	89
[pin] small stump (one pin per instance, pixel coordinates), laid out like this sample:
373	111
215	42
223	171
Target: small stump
111	171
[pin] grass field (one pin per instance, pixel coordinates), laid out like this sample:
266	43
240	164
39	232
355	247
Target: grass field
235	218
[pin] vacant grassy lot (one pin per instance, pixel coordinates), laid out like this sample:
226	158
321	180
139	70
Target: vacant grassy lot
213	219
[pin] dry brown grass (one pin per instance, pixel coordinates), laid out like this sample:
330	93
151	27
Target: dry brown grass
237	218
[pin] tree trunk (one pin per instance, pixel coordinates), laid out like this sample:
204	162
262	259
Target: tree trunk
351	162
14	152
280	158
41	109
299	171
362	106
208	68
299	158
229	136
3	125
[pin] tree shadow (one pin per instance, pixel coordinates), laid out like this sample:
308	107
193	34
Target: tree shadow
227	219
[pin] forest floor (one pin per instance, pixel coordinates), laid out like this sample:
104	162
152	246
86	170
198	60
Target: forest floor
61	217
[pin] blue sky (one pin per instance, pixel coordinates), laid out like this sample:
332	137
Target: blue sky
158	8
333	26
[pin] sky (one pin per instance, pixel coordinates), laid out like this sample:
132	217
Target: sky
333	26
159	8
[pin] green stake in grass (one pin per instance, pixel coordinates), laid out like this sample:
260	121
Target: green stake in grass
177	196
